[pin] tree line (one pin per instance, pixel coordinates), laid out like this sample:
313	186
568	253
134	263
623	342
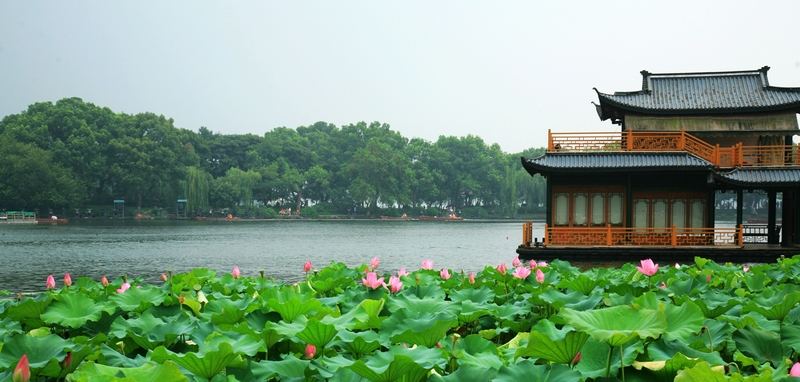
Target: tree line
73	154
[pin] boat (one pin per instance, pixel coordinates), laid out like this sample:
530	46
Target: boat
449	218
402	217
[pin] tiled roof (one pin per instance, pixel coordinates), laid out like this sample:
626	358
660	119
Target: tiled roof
613	161
763	176
701	93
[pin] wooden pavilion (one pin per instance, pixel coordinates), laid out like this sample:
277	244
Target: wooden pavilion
648	190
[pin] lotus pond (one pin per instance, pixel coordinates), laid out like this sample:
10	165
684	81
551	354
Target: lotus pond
694	322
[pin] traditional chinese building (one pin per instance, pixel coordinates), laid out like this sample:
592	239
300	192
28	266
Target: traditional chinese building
649	187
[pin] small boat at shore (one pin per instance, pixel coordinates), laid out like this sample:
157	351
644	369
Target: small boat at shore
448	218
402	217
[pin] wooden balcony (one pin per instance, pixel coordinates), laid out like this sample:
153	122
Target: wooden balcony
646	141
609	236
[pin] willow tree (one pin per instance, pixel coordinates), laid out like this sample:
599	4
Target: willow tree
197	182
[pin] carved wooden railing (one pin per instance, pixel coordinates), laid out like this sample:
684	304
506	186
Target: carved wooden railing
726	157
642	237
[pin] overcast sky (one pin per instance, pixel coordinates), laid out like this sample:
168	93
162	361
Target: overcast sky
506	71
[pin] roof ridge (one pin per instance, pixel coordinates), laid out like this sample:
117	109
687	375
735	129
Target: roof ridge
763	69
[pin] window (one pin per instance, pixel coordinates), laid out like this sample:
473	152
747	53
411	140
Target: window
678	213
659	213
598	209
698	212
561	209
579	209
641	213
615	209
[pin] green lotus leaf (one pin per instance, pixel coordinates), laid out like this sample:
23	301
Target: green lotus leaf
419	321
29	310
466	373
554	345
317	333
764	346
334	277
594	355
773	303
360	343
790	336
92	372
662	350
149	331
715	335
40	350
400	368
477	295
683	322
582	283
9	327
366	315
75	310
664	371
242	343
617	325
474	350
471	311
225	311
528	371
288	369
510	311
331	367
291	304
573	299
138	299
701	372
205	365
114	358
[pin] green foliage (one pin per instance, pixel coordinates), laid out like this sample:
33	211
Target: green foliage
572	327
73	154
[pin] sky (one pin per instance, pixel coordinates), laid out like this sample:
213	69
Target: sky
506	71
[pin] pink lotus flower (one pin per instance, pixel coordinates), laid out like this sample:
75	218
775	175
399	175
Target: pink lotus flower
647	267
311	351
125	286
445	274
795	371
502	268
533	264
402	272
395	285
163	277
677	266
427	264
235	272
708	279
22	373
104	281
372	281
745	268
307	266
522	272
50	283
516	263
67	279
542	264
374	263
472	277
68	360
539	276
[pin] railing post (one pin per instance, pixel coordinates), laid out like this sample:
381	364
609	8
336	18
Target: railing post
716	155
527	234
740	235
674	237
545	239
682	141
629	140
550	146
608	235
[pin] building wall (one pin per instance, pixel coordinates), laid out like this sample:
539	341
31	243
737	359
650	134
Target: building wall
741	123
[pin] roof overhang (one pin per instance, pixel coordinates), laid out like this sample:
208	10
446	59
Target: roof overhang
614	162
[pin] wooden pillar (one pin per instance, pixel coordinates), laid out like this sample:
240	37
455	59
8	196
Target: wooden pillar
739	206
628	201
772	238
710	208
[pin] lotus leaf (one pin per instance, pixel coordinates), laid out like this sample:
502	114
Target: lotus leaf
683	322
138	299
554	345
594	357
474	350
360	343
40	350
92	372
317	333
528	371
205	365
288	369
618	325
701	372
760	344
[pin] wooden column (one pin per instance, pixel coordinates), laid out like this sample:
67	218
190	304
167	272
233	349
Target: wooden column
772	238
710	208
739	206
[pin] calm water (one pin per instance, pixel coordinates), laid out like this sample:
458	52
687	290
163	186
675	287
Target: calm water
30	252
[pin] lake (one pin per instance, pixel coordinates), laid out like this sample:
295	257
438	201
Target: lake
279	248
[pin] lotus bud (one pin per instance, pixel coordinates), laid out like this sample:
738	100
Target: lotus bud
795	371
68	360
311	351
22	373
67	279
307	266
164	277
576	359
104	281
472	277
235	272
50	283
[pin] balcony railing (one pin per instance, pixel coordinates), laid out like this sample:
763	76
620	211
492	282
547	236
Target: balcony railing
726	157
637	237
